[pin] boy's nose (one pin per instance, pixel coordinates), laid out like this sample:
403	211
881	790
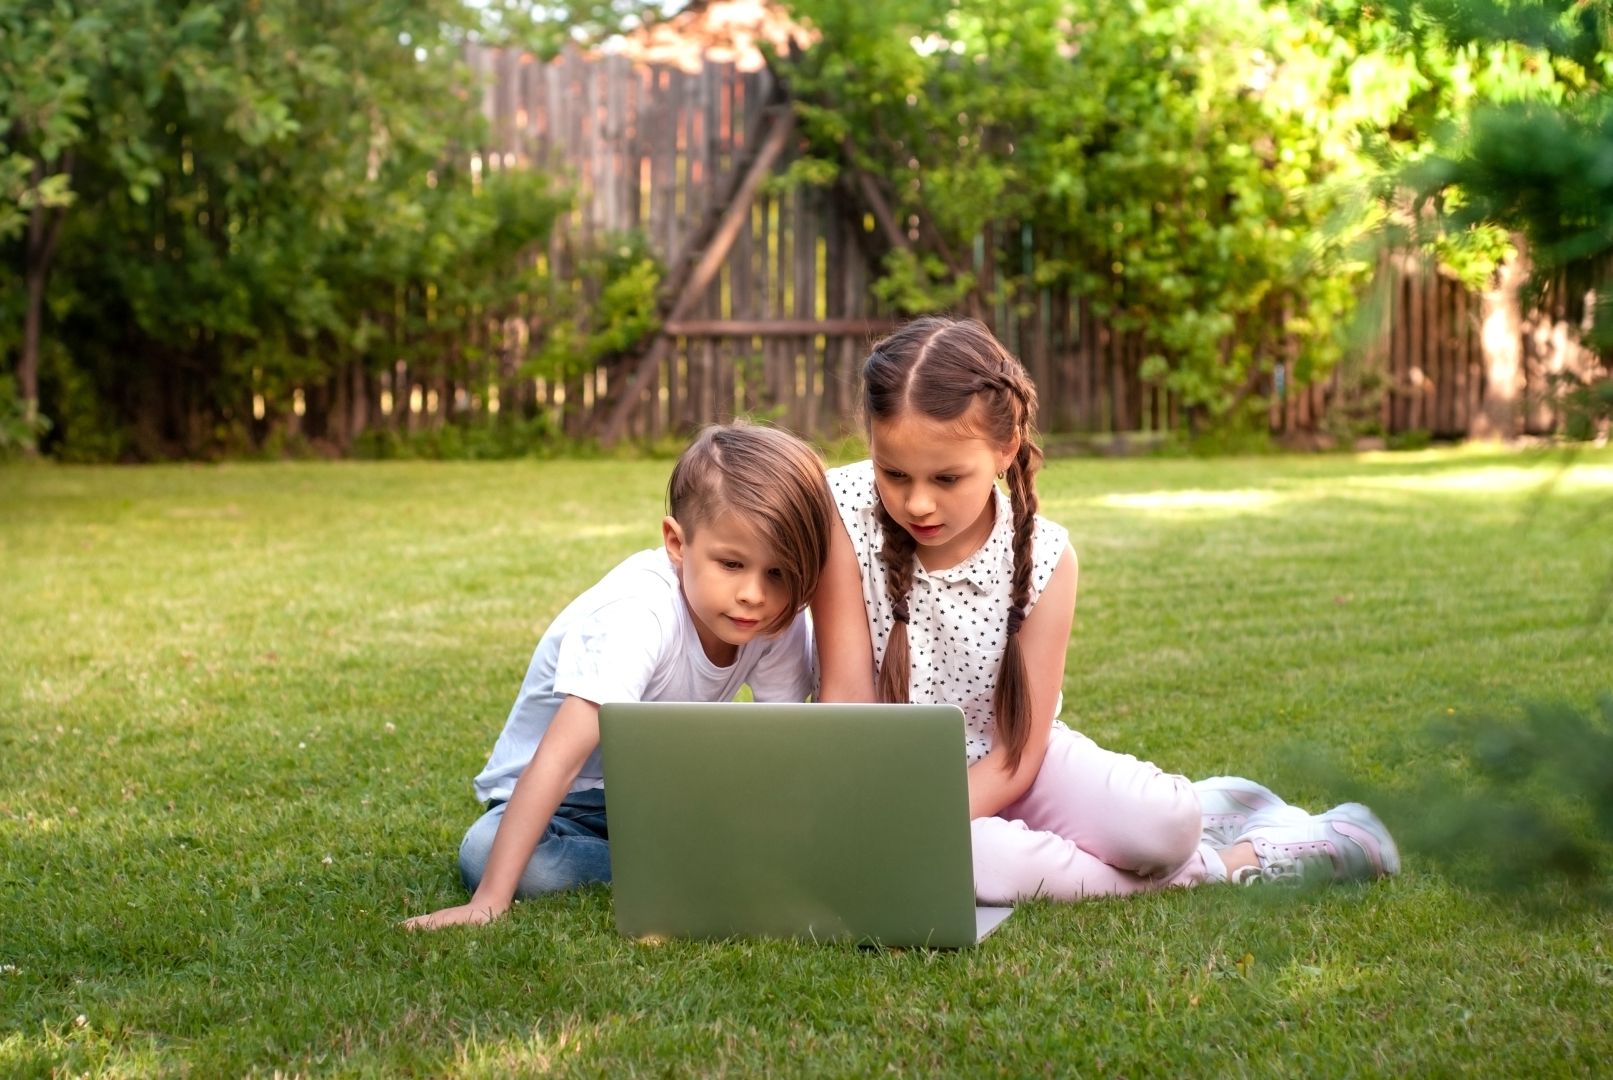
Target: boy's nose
751	590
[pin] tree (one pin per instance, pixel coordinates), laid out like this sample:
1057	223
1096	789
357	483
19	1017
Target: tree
223	198
43	106
1538	164
1488	122
1174	164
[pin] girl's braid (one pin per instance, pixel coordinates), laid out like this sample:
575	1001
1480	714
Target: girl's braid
1013	703
1022	493
897	554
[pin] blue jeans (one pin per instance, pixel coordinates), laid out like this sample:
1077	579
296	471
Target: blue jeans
574	850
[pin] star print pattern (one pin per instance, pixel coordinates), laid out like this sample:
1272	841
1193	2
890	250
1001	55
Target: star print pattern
958	617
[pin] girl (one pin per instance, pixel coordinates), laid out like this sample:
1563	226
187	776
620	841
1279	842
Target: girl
717	606
940	587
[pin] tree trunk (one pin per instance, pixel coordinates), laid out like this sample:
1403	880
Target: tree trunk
359	395
340	414
1500	415
28	362
44	230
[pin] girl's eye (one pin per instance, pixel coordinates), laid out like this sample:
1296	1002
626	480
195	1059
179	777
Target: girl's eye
730	564
948	479
776	574
894	475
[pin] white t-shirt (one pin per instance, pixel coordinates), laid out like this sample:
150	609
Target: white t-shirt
958	617
631	638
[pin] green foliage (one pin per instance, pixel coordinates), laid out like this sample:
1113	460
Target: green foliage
1410	439
913	283
1225	439
502	439
1587	405
17	435
43	104
1539	169
256	195
424	275
1518	803
1175	164
546	28
602	309
803	171
1518	144
82	430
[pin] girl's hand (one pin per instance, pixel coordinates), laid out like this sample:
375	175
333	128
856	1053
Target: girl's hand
471	914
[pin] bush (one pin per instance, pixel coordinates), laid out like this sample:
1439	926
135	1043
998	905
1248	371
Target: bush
501	440
82	428
19	435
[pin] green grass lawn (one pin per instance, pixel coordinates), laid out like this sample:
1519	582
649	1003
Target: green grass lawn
240	707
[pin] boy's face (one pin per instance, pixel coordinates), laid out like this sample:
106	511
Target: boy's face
936	484
731	580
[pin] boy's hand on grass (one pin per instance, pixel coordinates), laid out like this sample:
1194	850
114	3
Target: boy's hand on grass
472	914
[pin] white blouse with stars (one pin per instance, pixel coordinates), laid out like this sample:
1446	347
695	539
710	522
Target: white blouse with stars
958	617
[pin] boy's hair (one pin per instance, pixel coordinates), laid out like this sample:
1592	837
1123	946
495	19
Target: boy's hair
953	370
775	483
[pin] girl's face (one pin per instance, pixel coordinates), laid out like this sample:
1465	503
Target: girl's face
937	485
731	580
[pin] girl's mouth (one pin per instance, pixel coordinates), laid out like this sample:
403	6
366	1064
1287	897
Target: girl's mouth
924	532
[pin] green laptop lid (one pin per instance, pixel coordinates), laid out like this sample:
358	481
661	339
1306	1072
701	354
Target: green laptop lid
826	822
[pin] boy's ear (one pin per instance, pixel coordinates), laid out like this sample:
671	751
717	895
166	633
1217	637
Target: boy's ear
672	537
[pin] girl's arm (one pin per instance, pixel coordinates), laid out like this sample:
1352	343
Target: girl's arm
1045	639
571	736
840	625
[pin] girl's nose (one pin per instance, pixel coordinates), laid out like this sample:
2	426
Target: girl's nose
919	504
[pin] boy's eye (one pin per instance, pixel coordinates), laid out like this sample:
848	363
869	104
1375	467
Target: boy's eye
776	574
730	564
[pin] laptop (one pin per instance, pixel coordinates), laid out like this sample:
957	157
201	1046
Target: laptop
845	823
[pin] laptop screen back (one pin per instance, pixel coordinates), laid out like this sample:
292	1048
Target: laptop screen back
828	822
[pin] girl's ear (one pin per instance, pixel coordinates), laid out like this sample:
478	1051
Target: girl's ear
672	537
1006	454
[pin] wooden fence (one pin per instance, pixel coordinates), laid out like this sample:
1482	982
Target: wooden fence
788	310
1446	354
772	305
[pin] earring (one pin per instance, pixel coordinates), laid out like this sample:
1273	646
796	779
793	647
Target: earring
1001	473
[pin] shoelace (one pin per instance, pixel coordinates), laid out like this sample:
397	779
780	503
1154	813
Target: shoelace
1275	870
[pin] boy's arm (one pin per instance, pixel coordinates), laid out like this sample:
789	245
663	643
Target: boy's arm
571	736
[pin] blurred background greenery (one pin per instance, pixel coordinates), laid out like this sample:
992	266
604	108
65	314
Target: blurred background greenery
210	205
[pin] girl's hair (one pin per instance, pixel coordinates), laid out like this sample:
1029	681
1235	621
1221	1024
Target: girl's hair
954	371
772	481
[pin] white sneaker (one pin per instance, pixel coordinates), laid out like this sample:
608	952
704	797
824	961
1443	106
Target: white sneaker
1347	843
1227	803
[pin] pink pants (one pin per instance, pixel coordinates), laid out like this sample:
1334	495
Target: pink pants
1095	823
